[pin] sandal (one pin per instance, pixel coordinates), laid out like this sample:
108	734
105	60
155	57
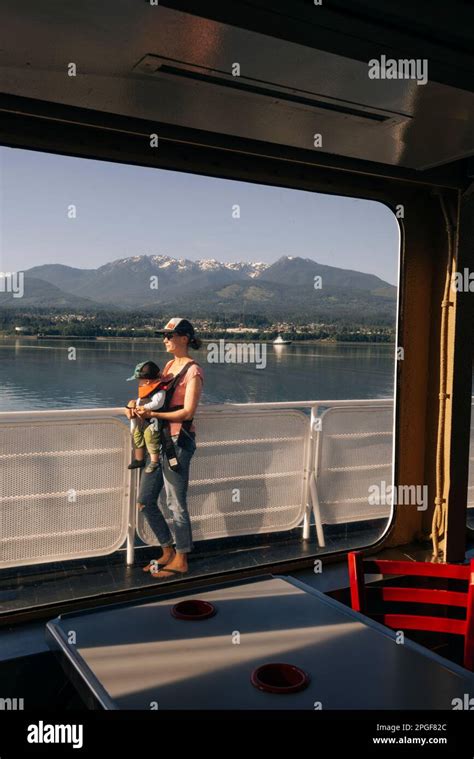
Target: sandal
153	563
154	573
157	563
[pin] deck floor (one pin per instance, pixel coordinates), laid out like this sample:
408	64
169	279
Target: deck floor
55	584
46	584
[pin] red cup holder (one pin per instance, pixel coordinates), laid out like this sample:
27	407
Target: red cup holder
194	609
279	678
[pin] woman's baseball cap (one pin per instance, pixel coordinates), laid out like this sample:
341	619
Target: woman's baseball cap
145	370
178	325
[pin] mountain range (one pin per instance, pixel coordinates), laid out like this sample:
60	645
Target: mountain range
284	289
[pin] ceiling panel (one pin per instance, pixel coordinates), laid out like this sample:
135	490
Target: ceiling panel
286	93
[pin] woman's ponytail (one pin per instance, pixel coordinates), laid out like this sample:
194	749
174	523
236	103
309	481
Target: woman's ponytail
195	342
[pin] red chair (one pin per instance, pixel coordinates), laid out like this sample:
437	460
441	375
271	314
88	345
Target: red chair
361	593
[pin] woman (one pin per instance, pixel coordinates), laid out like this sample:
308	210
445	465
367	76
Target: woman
178	336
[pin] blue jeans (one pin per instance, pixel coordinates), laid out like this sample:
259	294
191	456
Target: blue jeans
176	487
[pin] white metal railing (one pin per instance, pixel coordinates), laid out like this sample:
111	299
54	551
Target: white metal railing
66	492
248	474
64	486
353	450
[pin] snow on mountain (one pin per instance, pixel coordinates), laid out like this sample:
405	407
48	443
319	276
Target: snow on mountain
249	268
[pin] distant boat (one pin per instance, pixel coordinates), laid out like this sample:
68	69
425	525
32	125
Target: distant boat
279	341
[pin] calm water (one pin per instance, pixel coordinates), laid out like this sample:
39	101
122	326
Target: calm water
38	375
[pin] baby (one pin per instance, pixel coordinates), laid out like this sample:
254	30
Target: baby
145	432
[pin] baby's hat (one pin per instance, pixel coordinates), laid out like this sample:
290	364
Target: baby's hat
145	370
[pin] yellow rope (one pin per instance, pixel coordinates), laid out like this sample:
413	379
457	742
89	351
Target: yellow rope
438	525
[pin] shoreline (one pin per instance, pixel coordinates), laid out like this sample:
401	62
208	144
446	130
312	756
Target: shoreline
101	339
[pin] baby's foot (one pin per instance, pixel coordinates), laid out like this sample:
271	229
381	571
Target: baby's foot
136	464
152	466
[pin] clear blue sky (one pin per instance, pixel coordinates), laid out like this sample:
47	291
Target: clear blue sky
129	210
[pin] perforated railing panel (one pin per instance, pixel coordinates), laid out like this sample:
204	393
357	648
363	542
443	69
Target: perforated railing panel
355	453
247	475
64	483
64	489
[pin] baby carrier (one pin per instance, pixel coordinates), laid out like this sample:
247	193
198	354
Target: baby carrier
164	425
145	395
